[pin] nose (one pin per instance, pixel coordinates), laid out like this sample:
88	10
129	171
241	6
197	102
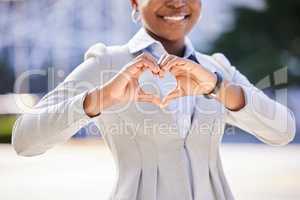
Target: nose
176	3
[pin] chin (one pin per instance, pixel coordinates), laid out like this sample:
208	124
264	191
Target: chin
172	33
173	36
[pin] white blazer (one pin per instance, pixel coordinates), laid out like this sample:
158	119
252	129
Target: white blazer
148	156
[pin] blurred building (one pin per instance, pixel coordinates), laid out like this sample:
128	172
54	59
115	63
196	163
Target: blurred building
38	34
53	33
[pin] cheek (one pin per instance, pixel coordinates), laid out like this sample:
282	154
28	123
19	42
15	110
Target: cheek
143	2
197	9
149	18
148	4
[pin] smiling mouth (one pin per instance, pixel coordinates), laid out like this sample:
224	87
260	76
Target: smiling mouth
175	18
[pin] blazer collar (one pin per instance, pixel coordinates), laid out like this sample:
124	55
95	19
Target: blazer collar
142	40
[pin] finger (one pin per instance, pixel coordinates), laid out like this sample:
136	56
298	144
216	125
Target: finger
170	62
142	93
175	66
140	71
123	77
162	58
134	69
173	70
148	64
162	64
147	97
166	59
161	74
143	56
150	58
172	95
140	65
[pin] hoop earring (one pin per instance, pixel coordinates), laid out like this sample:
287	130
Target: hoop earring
200	17
135	16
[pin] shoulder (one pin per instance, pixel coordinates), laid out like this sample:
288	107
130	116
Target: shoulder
97	62
219	62
102	52
95	51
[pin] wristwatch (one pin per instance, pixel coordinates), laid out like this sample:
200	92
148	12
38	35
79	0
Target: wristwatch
212	94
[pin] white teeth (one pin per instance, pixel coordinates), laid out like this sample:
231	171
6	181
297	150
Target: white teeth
175	18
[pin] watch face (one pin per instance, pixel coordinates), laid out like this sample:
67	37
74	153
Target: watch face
213	95
219	82
208	96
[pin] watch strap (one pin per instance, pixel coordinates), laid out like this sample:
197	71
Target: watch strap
212	94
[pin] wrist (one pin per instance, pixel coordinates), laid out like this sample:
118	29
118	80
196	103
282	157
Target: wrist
232	96
96	101
239	101
214	86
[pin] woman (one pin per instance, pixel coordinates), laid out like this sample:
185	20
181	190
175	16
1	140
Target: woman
165	145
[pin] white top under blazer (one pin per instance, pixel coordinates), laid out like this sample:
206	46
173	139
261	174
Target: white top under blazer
156	157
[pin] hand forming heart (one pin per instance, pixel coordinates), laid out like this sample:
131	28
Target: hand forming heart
124	86
192	79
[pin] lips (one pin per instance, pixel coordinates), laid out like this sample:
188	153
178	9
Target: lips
174	17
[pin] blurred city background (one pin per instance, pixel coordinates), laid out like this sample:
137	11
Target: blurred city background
47	39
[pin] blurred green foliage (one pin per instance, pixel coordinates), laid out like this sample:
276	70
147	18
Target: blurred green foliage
6	125
263	41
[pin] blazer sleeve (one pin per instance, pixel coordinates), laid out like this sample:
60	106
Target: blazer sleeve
59	114
266	119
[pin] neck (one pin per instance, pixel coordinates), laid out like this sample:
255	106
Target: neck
174	47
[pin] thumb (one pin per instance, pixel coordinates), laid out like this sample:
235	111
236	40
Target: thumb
178	92
142	96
